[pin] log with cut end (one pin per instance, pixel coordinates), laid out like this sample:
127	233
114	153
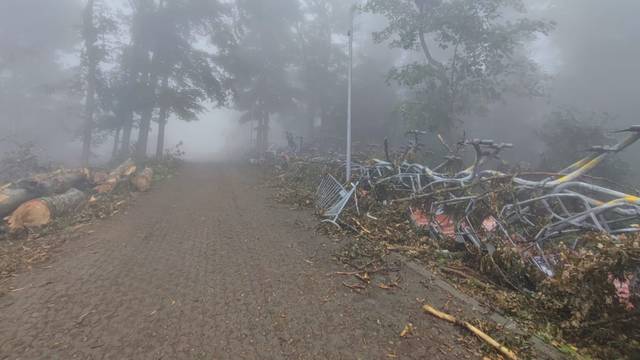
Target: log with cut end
14	195
11	198
142	181
108	184
42	211
56	182
125	169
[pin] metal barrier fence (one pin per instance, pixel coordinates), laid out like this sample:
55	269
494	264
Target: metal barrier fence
331	198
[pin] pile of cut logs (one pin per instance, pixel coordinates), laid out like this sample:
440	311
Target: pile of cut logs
38	200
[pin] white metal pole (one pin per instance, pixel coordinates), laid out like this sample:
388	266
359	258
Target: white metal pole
350	80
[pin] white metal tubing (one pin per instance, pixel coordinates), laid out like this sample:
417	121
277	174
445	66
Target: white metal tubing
350	81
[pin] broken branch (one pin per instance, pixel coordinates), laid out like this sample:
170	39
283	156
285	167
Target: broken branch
479	333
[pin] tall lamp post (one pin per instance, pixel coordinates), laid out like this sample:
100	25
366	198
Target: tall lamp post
350	83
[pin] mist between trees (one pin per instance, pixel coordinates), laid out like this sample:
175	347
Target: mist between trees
94	80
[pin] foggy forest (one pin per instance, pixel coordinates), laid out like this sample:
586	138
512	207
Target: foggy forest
207	179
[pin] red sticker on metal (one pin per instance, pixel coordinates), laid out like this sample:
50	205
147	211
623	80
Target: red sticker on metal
490	224
446	225
419	217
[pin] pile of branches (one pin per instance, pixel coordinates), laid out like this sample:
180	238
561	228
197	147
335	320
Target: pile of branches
594	296
591	300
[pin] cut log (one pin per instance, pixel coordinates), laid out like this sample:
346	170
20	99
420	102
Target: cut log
122	172
99	177
125	169
11	198
142	181
57	182
107	186
42	211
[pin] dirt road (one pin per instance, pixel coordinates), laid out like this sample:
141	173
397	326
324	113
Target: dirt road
207	267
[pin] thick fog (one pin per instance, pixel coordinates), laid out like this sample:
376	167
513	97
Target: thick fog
291	54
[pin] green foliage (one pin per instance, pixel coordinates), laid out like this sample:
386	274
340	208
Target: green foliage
322	65
34	84
568	134
471	50
174	27
261	58
164	69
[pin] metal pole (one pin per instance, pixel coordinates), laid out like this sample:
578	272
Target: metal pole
350	80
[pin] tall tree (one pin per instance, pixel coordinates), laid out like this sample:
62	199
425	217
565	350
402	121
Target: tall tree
469	50
90	37
261	60
98	32
323	61
172	74
190	76
34	82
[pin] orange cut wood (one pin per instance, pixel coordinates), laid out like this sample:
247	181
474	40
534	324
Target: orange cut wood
39	212
33	213
142	182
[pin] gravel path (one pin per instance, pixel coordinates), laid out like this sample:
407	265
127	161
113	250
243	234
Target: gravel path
205	266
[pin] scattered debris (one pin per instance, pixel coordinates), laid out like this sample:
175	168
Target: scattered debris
407	331
555	252
43	210
479	333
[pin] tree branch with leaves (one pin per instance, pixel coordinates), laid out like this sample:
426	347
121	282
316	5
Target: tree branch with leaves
471	53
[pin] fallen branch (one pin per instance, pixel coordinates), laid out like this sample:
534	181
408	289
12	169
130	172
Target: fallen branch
399	248
355	287
449	190
479	333
620	318
465	275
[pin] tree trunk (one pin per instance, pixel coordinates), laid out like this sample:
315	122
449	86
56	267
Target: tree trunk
126	99
53	183
251	128
143	135
311	120
162	120
39	185
162	125
116	144
259	137
42	211
147	113
125	143
265	132
90	38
